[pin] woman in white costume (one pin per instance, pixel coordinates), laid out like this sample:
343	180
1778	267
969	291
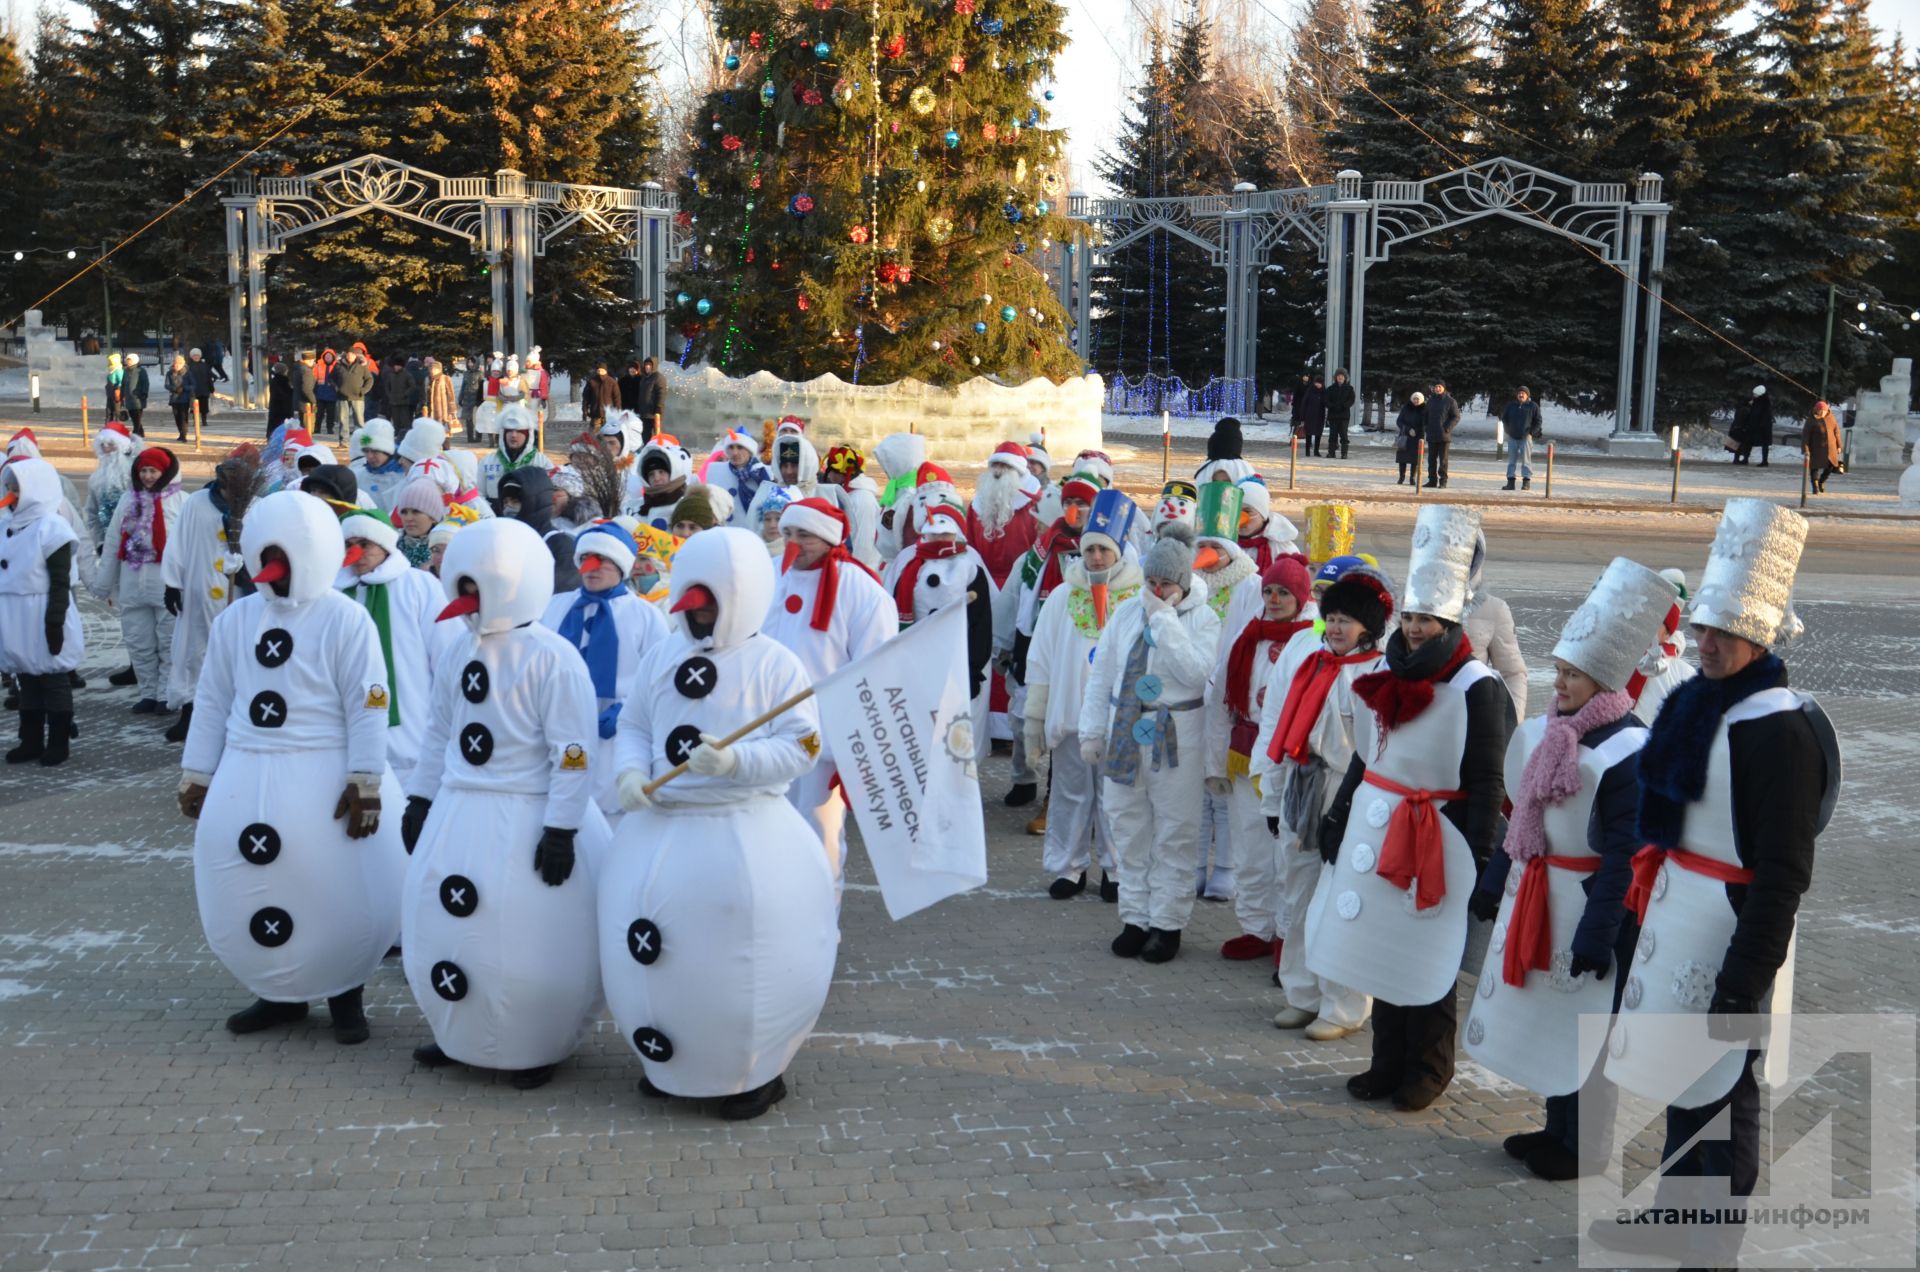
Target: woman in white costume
204	571
718	925
41	641
1305	746
1562	940
1430	733
614	630
296	873
1664	667
403	603
1141	730
500	949
943	569
131	571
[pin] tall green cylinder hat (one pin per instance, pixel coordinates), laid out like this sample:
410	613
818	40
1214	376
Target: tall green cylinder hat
1218	516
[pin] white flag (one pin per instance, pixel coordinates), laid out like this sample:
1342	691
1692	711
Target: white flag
899	726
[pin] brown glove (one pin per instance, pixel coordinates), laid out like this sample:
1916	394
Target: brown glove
192	795
360	805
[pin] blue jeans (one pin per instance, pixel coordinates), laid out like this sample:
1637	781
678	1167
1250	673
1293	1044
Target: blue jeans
1520	452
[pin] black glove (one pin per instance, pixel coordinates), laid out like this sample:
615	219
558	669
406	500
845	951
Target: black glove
1331	828
172	600
1723	1017
553	859
1273	827
1483	905
413	821
1598	966
56	639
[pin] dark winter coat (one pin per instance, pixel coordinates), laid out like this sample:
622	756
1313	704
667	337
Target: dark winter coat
399	392
1824	446
1755	425
651	395
1339	399
630	391
279	395
600	394
534	489
134	388
179	388
1443	415
202	377
1296	399
1522	419
300	375
1409	426
352	379
1313	409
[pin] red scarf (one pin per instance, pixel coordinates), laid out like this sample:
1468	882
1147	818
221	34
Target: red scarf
1396	700
1305	699
924	551
1050	543
1240	659
1260	548
829	589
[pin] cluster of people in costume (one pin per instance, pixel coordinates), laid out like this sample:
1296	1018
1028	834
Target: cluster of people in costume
573	716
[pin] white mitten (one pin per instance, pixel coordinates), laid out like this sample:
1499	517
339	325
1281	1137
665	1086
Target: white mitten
229	562
1219	787
710	759
1093	750
1033	732
632	787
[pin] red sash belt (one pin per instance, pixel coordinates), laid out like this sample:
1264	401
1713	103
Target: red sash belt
1647	862
1414	849
1530	930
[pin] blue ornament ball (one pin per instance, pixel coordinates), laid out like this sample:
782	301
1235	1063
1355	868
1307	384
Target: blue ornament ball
1013	213
1042	208
733	61
704	307
952	139
1019	247
1033	116
683	298
1048	94
767	93
979	328
822	49
1008	313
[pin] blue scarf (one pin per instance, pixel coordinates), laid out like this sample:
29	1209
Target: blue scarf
1673	764
589	627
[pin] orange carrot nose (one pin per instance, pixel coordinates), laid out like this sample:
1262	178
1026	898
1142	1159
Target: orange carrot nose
7	501
1245	517
271	572
1074	516
1206	558
590	561
458	606
355	553
788	557
1100	606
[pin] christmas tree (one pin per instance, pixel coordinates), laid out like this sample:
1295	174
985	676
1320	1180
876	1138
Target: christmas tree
875	192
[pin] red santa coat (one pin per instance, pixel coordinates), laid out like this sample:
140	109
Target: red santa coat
1002	552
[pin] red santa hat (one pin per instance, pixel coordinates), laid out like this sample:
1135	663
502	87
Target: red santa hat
790	424
930	473
817	517
1097	462
295	437
113	426
1010	454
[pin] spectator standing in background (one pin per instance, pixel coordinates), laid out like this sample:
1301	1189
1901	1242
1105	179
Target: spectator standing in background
398	390
1443	416
134	388
326	396
440	401
1339	400
1520	420
279	391
473	386
1313	414
598	395
1409	427
1754	427
305	396
202	377
180	396
652	399
630	387
352	381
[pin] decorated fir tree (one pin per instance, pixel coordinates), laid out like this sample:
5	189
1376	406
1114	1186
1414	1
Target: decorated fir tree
873	192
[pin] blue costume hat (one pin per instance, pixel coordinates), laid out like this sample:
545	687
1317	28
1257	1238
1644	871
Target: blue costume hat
1110	518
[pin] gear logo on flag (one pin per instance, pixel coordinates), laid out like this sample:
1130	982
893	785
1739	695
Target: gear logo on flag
960	742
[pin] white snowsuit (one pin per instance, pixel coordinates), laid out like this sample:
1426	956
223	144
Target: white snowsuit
140	594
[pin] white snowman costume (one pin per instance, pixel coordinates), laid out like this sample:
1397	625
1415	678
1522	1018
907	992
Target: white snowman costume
504	965
943	580
718	926
861	617
31	530
638	628
411	599
293	699
641	500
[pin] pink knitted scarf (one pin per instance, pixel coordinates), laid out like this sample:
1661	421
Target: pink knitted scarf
1552	773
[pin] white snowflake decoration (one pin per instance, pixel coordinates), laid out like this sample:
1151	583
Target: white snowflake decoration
1693	985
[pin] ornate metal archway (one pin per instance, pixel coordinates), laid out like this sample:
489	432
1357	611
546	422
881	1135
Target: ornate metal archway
1353	231
502	218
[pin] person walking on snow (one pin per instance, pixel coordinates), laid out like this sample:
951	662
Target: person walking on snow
131	572
1140	729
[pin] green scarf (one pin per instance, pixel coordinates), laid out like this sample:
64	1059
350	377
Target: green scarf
895	485
374	597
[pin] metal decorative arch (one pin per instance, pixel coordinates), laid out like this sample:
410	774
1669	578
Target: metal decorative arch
1352	231
503	217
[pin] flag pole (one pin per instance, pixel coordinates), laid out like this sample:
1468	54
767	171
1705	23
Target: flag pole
777	710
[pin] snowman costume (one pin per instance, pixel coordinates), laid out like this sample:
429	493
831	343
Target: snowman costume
941	570
500	461
614	632
40	635
1141	728
1233	592
828	614
1574	783
24	445
296	873
500	949
653	504
1739	776
403	603
203	570
379	484
132	569
718	925
1430	734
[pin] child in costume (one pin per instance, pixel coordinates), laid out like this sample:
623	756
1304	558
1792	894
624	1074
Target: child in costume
132	572
40	637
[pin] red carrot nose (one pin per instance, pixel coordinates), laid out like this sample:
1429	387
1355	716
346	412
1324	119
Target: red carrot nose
270	572
458	606
590	561
695	597
789	555
354	553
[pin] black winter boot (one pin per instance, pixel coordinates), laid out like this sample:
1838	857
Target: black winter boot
1162	944
751	1104
1128	944
60	733
265	1015
178	731
349	1018
33	738
121	679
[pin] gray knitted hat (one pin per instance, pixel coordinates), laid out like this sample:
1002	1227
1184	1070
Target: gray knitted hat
1171	556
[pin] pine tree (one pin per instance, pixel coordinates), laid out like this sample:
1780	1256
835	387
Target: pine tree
1897	275
1544	107
1413	114
1324	55
871	175
19	199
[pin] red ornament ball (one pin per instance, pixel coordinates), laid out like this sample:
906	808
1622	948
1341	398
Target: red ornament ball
802	303
958	66
730	142
858	233
889	272
757	40
963	7
812	97
906	275
896	46
990	130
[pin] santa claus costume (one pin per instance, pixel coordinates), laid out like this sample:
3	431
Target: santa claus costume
1066	638
402	602
614	630
718	926
943	569
1251	668
1141	730
1001	523
1573	778
829	611
296	871
500	947
205	570
1738	778
40	636
1664	667
1415	818
1304	746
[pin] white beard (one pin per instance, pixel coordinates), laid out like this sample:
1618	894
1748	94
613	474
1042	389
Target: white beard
997	497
